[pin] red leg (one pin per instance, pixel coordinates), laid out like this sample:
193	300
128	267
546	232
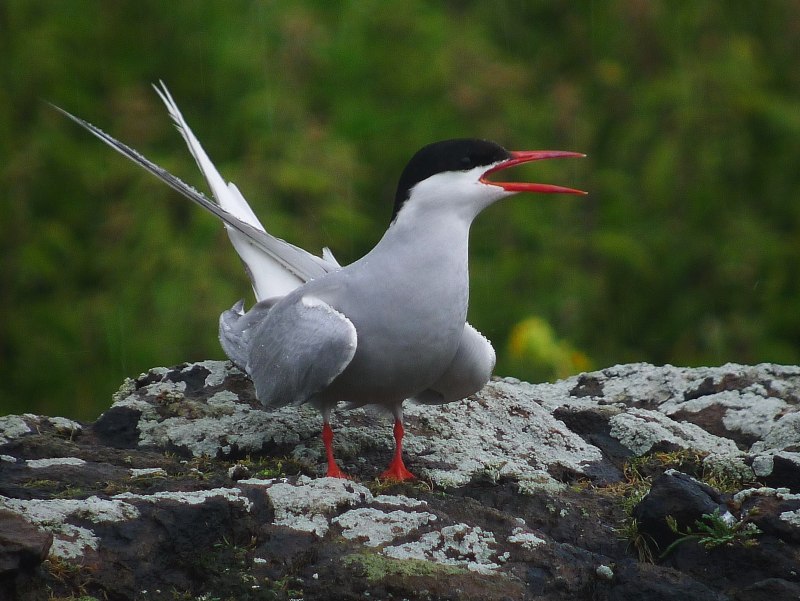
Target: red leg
327	439
397	470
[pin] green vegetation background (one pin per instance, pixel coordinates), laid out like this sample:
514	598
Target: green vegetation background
687	250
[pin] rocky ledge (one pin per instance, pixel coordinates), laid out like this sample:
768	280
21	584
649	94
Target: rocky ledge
634	482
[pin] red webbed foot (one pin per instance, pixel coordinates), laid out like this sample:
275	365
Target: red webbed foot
327	440
397	471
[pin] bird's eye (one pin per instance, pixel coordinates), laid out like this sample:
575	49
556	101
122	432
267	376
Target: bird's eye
466	162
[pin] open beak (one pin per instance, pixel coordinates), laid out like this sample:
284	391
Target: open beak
526	156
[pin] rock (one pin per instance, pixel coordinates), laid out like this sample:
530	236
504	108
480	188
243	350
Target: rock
774	511
186	488
678	496
22	546
769	589
639	582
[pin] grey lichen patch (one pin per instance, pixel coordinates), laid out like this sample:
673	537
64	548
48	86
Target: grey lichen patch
166	390
749	413
148	472
461	545
126	389
224	398
375	527
69	540
146	399
214	426
196	497
12	427
16	426
377	567
42	463
604	572
765	491
727	472
785	435
400	501
524	538
537	482
663	387
791	517
749	400
217	432
65	427
306	504
764	464
217	371
504	430
641	429
155	371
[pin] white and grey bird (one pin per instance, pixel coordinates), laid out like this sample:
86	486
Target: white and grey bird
387	328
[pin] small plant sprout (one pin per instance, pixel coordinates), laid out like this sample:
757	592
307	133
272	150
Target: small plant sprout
714	530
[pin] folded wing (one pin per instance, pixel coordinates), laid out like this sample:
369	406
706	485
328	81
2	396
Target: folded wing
297	350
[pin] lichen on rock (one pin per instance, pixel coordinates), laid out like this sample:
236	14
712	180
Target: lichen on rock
186	484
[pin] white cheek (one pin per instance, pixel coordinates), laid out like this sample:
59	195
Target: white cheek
455	192
457	187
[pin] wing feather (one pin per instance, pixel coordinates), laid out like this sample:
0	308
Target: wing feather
275	266
298	349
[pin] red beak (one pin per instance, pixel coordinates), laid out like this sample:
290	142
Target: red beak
526	156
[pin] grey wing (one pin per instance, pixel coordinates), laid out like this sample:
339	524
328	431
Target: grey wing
298	350
469	371
236	328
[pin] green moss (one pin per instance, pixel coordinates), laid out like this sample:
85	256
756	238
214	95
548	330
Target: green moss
408	488
40	484
377	567
56	489
274	467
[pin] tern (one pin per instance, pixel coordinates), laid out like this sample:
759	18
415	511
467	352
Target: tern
387	328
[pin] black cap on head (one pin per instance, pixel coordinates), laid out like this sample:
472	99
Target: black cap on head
450	155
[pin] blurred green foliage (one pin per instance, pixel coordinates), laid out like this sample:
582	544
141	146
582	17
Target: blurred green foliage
687	250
